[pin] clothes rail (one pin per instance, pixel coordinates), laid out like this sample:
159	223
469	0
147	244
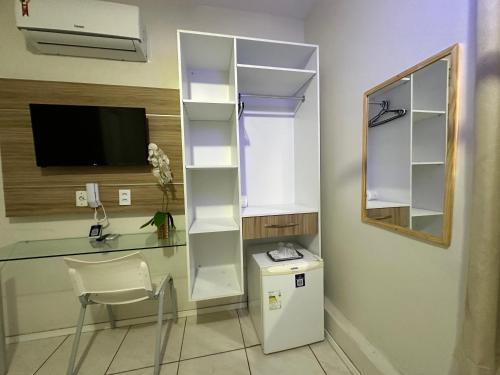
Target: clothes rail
241	104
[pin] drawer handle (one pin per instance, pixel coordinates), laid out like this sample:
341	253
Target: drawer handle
289	225
382	217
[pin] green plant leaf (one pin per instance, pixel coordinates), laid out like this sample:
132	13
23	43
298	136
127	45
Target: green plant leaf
149	222
160	218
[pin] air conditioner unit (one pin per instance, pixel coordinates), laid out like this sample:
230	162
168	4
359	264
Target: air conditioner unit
86	28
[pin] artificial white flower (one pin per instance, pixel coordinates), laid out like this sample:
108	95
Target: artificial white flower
161	165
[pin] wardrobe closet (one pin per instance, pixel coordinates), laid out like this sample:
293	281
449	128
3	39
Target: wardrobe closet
250	125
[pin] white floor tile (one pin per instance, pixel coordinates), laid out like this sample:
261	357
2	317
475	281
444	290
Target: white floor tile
329	359
249	334
138	348
211	333
26	357
95	352
294	361
169	369
231	363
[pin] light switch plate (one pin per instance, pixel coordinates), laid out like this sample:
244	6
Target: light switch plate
124	197
81	198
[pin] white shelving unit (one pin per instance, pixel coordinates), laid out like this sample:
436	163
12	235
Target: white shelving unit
406	157
269	155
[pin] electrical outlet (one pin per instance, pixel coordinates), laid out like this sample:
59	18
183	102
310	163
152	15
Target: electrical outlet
124	197
81	198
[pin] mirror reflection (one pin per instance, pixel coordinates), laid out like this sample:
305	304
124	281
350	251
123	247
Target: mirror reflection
406	150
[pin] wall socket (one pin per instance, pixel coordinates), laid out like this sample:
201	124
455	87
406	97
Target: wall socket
124	197
81	198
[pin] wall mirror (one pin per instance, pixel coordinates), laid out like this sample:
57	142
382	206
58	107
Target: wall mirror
409	145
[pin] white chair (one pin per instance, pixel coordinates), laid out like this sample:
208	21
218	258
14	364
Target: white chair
115	282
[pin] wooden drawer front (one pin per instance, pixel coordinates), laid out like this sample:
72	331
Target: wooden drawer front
279	225
392	215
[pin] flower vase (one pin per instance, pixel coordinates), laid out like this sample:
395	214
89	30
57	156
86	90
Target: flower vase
163	231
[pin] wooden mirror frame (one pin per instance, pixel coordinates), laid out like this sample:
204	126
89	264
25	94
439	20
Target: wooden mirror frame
451	146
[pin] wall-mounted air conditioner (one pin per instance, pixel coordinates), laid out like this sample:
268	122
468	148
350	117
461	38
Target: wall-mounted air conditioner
86	28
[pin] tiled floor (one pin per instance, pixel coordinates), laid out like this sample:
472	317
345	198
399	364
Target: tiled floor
218	343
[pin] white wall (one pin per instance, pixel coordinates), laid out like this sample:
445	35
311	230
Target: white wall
33	288
401	295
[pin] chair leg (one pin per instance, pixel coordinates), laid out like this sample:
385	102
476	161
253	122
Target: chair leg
76	340
159	333
111	316
173	301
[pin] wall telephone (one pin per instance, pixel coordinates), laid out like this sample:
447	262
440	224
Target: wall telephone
94	202
93	195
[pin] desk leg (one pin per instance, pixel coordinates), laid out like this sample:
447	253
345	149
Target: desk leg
3	345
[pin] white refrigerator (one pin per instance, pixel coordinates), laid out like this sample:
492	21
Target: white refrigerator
285	300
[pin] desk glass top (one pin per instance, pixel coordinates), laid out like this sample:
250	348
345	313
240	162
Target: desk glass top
83	245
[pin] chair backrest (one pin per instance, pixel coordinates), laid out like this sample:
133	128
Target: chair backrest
130	272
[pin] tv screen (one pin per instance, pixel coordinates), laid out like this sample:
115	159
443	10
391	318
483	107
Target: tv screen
71	135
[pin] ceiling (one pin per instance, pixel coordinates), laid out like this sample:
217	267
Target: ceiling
286	8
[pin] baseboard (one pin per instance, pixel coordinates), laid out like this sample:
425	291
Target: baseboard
364	356
343	356
122	323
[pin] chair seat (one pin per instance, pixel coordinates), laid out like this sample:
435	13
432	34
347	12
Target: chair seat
120	298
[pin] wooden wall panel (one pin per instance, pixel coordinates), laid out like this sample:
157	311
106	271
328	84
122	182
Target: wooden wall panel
30	190
17	94
146	199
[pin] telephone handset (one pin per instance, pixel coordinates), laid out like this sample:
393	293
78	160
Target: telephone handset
94	201
93	195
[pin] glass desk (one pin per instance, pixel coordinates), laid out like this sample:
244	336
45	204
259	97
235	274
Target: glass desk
39	249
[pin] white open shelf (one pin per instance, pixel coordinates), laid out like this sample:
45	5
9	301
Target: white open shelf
264	80
215	282
270	53
430	87
209	111
219	224
207	67
281	209
210	144
385	204
427	163
210	166
215	263
421	115
393	86
422	212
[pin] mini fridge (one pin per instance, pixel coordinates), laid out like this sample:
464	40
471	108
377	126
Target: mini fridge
285	299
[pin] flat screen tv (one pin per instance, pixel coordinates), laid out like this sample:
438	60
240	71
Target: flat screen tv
74	135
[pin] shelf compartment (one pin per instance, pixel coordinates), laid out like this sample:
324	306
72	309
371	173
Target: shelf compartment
207	67
221	224
215	265
281	209
209	111
210	144
384	204
429	140
428	186
216	282
432	225
263	80
422	114
213	194
427	163
392	86
208	167
422	212
270	53
430	87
